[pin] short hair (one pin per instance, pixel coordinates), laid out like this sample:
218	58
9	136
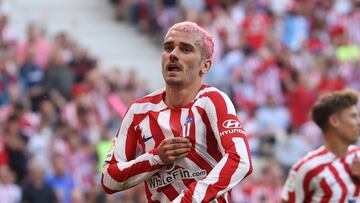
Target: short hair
206	38
332	103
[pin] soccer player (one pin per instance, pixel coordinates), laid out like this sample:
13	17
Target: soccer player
332	172
185	141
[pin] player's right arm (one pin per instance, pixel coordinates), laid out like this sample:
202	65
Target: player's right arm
122	169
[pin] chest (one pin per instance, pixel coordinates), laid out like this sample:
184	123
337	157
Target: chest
185	122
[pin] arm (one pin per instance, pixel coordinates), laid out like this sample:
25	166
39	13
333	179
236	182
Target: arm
122	169
235	164
293	190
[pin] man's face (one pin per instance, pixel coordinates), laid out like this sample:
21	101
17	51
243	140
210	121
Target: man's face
349	125
182	61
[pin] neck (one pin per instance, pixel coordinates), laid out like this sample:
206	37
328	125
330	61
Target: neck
335	144
179	96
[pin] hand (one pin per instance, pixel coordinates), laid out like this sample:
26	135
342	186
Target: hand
172	149
355	167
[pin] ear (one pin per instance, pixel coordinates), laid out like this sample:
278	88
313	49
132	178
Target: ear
334	120
206	67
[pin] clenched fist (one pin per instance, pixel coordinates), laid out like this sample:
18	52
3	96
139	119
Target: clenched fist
172	149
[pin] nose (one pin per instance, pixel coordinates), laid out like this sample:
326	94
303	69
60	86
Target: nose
173	55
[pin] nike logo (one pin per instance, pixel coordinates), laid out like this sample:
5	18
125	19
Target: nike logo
145	139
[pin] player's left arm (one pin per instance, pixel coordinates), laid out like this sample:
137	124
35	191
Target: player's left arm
235	164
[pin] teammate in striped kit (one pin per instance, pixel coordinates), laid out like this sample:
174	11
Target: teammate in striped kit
185	141
332	172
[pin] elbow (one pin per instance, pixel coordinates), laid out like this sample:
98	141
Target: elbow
249	165
111	186
105	188
250	170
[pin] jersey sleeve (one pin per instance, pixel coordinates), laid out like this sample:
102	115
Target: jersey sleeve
122	169
235	164
288	192
293	190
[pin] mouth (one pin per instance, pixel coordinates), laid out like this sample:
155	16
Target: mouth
173	67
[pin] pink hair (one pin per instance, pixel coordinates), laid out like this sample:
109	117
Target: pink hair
205	36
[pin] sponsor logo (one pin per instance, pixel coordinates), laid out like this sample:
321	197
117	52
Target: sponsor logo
188	120
231	123
156	182
186	127
145	139
169	167
232	131
351	201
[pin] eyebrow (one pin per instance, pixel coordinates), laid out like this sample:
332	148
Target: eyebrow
181	43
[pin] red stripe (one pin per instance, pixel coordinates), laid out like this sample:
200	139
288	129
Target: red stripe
348	171
340	181
221	107
175	122
229	196
198	160
327	191
155	129
169	191
155	99
225	174
357	189
316	154
307	179
188	194
133	170
138	118
221	199
291	197
131	143
210	137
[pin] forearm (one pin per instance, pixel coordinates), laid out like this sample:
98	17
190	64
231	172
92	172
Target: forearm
231	169
118	176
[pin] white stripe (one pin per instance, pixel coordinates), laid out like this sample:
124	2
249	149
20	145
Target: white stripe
211	113
244	164
201	144
144	157
230	107
212	178
140	108
164	121
205	90
156	92
146	132
120	140
302	172
183	117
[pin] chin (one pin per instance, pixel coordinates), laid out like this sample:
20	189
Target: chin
173	82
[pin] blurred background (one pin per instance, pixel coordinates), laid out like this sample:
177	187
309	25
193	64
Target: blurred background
70	68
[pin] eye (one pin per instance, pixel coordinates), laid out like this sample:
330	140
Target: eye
187	49
168	48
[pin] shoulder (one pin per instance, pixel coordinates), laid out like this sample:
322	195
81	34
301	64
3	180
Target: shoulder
152	101
312	160
154	97
210	92
353	149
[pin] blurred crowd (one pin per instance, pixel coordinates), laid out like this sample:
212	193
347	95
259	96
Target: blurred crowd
59	111
274	58
58	115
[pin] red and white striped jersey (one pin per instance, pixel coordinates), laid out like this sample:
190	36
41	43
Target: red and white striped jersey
219	158
321	176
